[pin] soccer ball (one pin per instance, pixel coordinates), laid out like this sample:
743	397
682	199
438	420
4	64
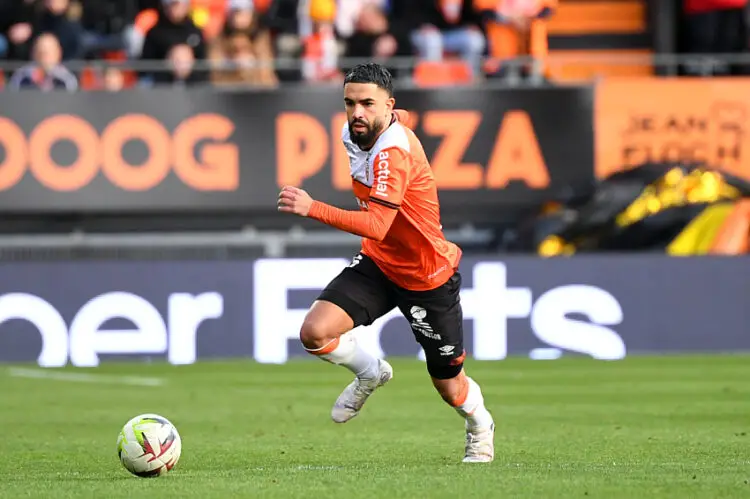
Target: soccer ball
149	445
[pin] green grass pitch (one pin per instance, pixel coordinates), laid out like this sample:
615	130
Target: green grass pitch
649	427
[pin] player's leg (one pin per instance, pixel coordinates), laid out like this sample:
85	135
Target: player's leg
357	296
464	394
323	334
436	320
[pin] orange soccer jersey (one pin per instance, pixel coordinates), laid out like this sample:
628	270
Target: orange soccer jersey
399	217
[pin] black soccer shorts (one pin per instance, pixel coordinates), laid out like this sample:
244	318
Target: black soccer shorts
436	317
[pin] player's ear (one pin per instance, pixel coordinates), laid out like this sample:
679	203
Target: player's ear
390	104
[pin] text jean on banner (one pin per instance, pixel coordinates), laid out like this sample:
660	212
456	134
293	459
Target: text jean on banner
603	307
641	120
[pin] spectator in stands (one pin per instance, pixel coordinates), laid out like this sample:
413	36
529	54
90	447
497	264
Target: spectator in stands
243	52
6	18
370	36
18	29
136	37
347	14
181	60
107	25
516	28
62	19
209	16
113	80
58	17
401	25
715	27
173	27
440	26
283	19
321	50
46	71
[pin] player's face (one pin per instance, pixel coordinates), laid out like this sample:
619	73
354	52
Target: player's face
368	109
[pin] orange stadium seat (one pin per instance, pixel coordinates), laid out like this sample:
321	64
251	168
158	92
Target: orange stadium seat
603	31
89	79
442	73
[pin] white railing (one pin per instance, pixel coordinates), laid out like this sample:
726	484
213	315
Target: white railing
702	64
273	243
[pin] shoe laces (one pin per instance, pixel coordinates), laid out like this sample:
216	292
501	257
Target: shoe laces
365	387
361	391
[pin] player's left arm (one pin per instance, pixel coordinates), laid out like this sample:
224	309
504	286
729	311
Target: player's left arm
388	187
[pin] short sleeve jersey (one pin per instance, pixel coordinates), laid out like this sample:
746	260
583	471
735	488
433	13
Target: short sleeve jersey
395	173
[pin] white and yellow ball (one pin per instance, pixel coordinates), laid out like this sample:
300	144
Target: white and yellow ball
149	445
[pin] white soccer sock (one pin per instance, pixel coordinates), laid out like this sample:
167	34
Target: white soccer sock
349	354
473	409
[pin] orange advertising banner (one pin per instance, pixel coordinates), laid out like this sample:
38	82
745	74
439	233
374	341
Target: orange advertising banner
662	119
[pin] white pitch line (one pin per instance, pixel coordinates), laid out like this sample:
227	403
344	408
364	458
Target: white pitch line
18	372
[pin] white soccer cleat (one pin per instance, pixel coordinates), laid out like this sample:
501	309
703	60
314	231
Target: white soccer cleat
354	396
480	445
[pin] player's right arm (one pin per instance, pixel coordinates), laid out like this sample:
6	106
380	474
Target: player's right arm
389	184
372	224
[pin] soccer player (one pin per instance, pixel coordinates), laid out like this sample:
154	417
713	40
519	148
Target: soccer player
405	262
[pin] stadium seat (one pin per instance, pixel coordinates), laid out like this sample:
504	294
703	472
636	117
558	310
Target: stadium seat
89	79
598	17
613	35
442	73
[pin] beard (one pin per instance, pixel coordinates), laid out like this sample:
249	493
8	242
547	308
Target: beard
367	138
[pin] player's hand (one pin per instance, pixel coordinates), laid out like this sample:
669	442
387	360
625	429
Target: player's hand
294	200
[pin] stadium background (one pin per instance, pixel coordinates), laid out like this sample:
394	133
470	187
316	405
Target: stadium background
595	172
142	139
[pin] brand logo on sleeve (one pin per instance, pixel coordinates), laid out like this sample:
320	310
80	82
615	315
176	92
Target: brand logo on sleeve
382	175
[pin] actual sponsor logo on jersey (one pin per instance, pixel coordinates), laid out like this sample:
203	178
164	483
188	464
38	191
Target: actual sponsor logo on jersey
382	174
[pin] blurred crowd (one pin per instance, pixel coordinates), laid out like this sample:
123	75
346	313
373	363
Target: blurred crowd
236	42
714	27
49	44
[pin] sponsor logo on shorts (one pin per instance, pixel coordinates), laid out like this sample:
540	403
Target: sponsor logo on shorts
418	314
446	350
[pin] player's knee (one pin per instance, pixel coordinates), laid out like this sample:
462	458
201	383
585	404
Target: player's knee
446	378
315	334
445	371
445	368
